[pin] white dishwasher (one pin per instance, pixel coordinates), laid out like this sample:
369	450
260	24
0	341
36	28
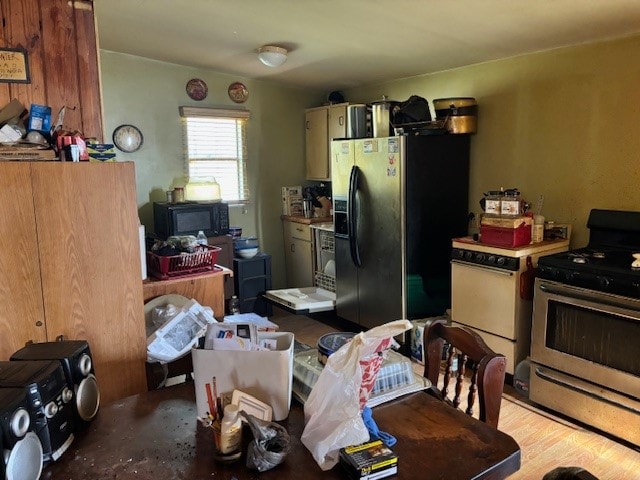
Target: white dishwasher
321	296
490	292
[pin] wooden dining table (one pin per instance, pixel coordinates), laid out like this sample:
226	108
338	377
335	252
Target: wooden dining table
155	435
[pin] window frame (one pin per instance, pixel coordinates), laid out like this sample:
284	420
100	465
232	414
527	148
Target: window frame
241	116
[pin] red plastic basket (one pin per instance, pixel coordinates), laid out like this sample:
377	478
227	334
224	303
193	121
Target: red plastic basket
184	264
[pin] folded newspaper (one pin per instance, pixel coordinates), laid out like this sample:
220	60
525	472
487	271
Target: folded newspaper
179	332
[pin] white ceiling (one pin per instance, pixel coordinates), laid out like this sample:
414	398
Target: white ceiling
337	44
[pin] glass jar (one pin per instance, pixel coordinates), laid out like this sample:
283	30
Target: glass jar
492	203
510	204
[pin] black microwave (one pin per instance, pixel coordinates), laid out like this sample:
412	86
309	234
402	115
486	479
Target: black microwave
190	217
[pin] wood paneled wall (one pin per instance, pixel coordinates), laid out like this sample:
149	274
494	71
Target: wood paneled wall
60	39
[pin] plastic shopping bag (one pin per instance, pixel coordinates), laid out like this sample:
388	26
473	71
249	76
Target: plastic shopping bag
333	410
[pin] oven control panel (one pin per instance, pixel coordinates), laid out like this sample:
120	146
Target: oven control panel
486	259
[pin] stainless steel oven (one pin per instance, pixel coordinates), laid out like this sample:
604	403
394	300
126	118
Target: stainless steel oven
585	356
585	341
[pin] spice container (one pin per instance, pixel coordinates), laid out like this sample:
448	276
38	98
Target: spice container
537	232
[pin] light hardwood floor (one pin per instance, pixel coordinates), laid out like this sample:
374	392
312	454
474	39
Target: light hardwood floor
546	440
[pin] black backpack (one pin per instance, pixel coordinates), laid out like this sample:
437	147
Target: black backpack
415	109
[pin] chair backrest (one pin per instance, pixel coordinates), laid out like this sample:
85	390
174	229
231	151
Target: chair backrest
477	365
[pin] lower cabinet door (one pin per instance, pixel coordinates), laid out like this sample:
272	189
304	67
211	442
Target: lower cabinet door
299	262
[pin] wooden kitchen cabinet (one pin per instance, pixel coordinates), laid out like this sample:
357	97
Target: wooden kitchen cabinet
205	288
323	124
298	253
70	265
59	38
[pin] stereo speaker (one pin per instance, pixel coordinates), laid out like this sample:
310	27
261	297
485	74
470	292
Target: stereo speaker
76	360
22	448
49	400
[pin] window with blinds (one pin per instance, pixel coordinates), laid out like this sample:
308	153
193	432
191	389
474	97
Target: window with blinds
215	146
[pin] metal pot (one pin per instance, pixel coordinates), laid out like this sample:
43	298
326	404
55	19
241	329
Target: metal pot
382	116
461	114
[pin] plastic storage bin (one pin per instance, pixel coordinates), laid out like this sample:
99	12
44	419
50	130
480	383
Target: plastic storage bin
395	373
252	278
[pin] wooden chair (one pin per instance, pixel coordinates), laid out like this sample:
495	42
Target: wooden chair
484	367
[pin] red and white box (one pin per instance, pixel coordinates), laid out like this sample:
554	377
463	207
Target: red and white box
506	231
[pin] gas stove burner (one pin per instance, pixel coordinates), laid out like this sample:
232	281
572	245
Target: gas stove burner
598	254
579	260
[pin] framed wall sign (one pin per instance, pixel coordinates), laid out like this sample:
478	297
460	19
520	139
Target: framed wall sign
14	67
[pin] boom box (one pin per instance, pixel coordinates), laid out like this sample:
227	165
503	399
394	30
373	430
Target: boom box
77	363
22	448
49	401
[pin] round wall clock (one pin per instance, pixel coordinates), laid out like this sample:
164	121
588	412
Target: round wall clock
127	138
238	92
197	89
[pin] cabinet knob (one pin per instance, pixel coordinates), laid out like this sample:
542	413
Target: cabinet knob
307	125
341	120
39	323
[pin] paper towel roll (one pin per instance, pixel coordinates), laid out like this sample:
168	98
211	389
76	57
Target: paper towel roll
143	252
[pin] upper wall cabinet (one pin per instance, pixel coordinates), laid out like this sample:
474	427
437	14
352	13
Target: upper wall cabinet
59	37
322	125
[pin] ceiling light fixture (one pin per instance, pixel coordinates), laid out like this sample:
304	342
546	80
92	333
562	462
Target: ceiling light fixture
272	56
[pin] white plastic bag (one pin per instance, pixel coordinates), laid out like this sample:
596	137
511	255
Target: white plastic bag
333	410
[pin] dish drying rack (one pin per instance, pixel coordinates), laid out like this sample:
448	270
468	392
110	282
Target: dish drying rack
325	252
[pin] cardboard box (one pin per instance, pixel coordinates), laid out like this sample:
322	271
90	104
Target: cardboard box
292	201
417	337
369	461
417	345
267	375
506	231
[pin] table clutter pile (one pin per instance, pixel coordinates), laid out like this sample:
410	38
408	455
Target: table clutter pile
245	370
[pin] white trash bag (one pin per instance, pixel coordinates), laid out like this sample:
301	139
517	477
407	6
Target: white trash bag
334	407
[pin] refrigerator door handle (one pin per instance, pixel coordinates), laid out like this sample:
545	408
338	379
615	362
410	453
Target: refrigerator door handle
352	224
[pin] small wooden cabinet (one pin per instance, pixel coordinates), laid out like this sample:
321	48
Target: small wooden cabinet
205	288
298	251
323	124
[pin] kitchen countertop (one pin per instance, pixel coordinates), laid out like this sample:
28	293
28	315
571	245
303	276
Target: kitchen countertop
306	221
521	251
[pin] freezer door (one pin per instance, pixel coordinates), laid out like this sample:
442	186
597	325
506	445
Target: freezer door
380	230
346	282
342	158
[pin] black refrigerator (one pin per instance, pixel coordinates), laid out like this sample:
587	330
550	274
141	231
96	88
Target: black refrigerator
398	202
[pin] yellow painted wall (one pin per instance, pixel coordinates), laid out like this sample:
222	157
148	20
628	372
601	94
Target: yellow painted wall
564	124
147	93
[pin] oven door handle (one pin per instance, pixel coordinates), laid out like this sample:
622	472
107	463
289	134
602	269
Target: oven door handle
576	295
484	268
